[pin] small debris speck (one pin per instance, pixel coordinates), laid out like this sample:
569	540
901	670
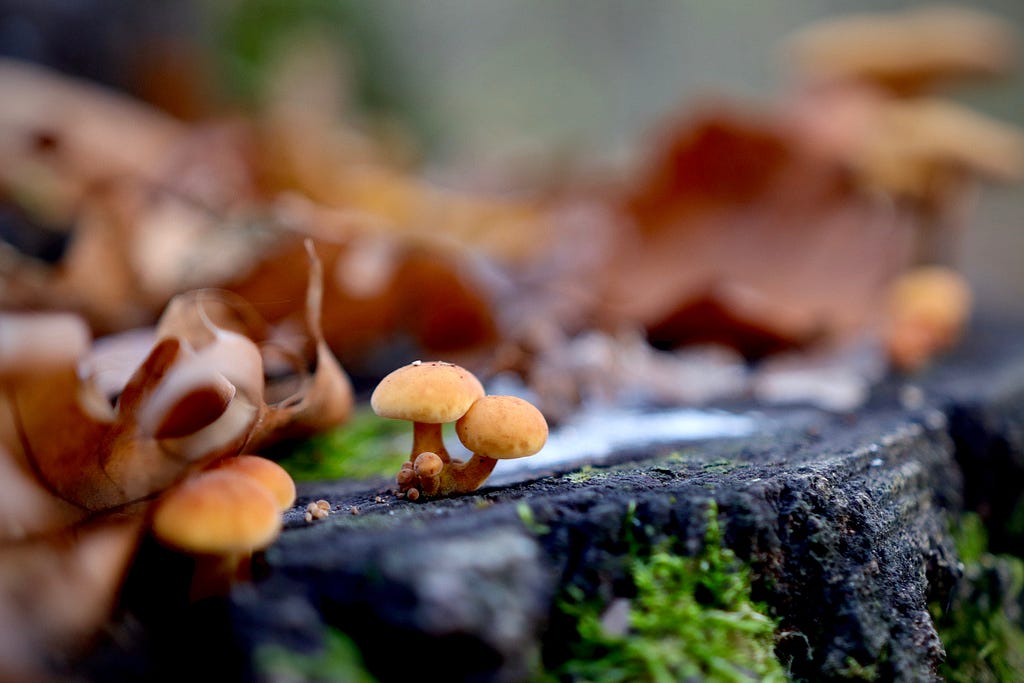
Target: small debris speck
354	510
877	462
912	397
317	510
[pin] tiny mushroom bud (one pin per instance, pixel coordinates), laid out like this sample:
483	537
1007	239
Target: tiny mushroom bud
317	511
428	464
428	467
428	394
406	475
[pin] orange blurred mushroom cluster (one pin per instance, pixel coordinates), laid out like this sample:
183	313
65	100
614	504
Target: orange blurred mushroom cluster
761	229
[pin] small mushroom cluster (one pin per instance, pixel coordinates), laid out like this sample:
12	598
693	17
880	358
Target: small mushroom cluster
430	394
223	514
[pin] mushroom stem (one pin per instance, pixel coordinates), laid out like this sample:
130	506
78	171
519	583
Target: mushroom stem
463	477
214	574
426	437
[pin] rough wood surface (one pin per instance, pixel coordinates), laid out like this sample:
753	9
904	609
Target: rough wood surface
843	518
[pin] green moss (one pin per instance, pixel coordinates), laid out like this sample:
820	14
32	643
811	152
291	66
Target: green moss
691	619
719	466
337	660
855	671
971	538
525	513
1015	523
250	36
366	446
585	474
981	629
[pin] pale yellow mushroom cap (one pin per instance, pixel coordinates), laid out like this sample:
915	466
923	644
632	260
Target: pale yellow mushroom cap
217	512
433	392
908	51
267	473
503	427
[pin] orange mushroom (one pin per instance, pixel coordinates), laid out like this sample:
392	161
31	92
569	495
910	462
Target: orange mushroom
266	472
494	428
928	308
905	52
428	395
219	517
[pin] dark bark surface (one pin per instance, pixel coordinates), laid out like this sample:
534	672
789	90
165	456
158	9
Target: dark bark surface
844	520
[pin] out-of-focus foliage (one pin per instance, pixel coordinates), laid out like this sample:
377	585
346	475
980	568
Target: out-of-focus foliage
337	660
250	37
982	628
366	446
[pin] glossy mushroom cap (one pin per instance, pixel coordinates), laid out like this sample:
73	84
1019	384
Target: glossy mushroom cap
433	392
503	427
217	512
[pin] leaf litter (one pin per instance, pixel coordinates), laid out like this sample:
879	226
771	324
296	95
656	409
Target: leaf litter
174	294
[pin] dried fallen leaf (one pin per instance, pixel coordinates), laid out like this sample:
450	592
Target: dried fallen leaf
55	590
744	237
77	462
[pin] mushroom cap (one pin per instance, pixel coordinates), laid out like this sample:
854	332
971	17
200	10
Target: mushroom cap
939	131
217	512
502	427
906	52
434	392
928	309
936	297
268	473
